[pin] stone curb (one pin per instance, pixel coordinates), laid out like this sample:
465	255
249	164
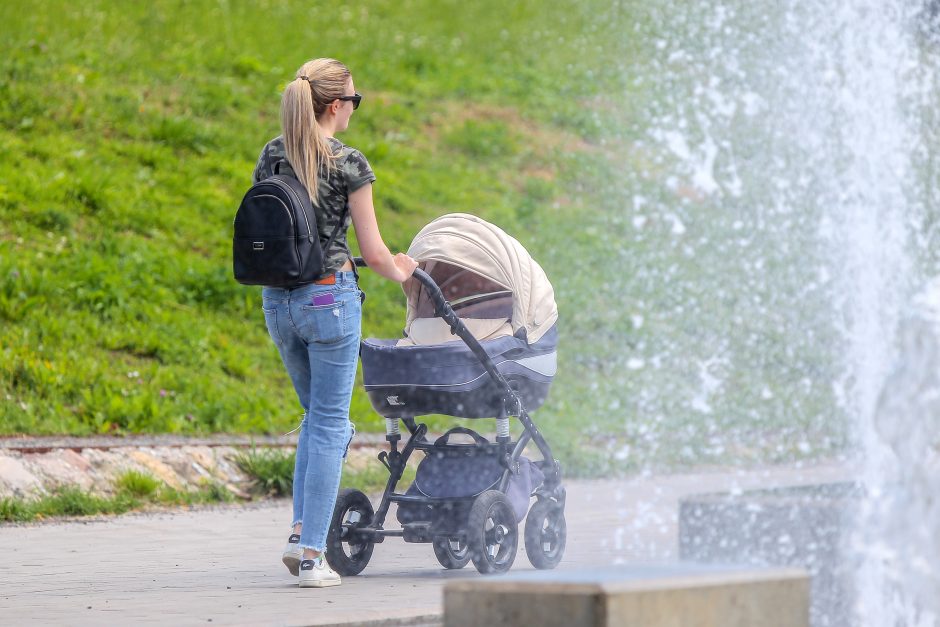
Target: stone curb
41	444
31	467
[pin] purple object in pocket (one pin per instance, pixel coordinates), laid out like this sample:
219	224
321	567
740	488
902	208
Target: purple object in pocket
323	299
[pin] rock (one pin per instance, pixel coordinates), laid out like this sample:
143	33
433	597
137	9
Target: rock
156	467
59	468
16	479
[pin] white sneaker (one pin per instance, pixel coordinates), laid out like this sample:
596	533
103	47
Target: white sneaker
293	554
317	573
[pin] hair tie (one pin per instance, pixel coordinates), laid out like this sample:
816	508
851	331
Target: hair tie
309	80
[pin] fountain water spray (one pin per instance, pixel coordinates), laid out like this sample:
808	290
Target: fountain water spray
800	146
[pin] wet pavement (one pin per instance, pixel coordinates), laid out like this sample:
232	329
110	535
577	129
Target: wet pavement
222	565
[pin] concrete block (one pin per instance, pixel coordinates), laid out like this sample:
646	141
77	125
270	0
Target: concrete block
799	526
676	595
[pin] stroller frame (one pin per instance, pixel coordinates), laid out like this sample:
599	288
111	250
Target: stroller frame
493	543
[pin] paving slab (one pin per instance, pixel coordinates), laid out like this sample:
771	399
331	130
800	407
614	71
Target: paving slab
222	565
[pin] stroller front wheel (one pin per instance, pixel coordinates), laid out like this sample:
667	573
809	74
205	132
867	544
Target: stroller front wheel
452	553
348	552
492	532
545	534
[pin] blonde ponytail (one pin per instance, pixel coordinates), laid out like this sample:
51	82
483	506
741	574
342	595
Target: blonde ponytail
318	83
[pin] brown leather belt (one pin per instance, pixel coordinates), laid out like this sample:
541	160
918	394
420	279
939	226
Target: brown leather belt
327	280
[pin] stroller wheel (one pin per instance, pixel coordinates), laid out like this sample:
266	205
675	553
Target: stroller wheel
347	551
545	534
452	553
492	532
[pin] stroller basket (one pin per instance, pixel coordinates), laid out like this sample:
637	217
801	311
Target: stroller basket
464	471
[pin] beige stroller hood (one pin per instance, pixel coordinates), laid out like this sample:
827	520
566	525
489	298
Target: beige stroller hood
460	241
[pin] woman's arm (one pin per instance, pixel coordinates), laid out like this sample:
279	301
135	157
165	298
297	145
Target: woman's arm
376	254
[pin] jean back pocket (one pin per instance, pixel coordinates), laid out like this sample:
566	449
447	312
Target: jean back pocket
324	324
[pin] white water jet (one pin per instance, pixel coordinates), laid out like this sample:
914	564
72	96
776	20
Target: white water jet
802	135
898	539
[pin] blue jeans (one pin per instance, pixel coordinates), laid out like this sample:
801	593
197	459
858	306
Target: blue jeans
319	344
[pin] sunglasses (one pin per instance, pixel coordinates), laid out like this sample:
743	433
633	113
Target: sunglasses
353	99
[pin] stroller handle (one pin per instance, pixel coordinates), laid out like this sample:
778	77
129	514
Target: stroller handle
444	310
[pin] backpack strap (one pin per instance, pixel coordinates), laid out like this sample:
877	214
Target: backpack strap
342	218
277	167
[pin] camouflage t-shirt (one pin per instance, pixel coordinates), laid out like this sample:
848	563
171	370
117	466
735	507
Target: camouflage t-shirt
352	172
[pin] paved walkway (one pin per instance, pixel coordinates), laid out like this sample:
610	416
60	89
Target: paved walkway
222	566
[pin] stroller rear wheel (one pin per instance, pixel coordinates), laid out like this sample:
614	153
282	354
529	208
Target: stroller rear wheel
348	552
545	534
452	553
492	532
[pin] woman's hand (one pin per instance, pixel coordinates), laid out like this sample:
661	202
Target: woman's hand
405	265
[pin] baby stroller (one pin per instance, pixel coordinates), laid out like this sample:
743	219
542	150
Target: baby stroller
478	283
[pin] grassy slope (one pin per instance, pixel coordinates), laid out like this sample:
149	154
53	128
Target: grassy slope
129	133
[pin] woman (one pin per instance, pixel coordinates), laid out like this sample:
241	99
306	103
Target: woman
316	327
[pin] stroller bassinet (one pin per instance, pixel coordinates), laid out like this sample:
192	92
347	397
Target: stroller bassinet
480	341
507	303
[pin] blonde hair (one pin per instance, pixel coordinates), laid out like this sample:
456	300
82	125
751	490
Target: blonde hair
317	83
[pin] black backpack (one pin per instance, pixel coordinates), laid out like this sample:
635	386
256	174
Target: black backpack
276	241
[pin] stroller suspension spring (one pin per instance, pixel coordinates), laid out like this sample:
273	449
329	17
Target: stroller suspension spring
502	427
391	428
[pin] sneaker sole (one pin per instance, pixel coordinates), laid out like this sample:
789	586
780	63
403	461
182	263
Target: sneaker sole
293	564
319	584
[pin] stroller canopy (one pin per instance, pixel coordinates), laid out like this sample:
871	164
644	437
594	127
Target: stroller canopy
469	258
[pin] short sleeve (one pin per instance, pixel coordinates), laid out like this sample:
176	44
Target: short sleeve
256	174
357	171
272	153
261	168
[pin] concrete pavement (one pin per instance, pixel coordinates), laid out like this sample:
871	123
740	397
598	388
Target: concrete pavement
222	565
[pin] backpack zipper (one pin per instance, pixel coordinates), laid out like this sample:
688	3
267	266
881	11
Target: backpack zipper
283	185
299	202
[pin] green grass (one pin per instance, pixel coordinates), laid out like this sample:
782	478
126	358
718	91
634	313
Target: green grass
130	132
137	484
132	490
271	470
272	473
